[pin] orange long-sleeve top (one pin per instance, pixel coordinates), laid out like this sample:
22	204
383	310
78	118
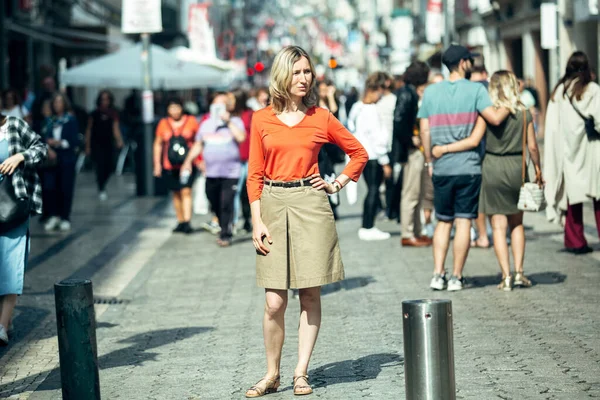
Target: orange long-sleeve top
282	153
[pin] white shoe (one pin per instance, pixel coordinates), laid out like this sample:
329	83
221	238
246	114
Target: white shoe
64	226
438	282
3	336
372	234
429	230
51	224
103	196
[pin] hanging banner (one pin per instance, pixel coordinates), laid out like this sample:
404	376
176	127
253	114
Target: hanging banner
549	25
200	33
141	16
434	22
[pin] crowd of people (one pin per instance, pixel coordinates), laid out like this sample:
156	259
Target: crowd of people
451	147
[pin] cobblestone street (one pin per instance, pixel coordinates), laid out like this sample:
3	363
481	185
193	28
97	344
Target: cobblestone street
179	318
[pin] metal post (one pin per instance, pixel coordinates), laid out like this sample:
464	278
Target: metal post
147	169
428	350
76	322
446	12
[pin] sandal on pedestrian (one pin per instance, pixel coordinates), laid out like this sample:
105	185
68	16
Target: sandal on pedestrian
506	284
301	390
271	387
521	280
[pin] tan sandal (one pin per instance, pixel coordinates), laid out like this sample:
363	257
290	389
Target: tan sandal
272	386
301	390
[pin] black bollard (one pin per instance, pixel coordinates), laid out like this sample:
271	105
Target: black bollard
76	322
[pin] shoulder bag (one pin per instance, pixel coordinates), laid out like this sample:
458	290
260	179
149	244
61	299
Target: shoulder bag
589	122
531	195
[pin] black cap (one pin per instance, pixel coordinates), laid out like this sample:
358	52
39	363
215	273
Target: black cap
455	54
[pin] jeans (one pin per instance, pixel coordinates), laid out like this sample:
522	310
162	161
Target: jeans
241	198
373	174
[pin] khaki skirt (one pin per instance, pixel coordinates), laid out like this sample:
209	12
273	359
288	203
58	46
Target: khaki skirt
305	251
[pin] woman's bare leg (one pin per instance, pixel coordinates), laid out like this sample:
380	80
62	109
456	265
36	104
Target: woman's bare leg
7	306
308	329
499	225
517	239
177	204
186	204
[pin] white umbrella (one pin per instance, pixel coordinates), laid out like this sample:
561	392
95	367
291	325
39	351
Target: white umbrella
123	69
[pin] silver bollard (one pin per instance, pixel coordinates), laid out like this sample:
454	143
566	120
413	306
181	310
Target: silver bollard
428	350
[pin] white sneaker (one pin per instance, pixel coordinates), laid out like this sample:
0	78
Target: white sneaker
429	230
51	224
438	282
64	226
103	196
372	234
3	336
455	284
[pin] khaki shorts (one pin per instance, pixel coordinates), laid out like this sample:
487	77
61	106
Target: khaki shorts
305	251
427	188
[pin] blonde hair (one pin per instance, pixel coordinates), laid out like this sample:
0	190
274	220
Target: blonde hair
282	75
504	91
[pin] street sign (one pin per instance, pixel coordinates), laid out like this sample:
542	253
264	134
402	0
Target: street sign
141	16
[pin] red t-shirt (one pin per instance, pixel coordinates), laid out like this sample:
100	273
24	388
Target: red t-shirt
246	117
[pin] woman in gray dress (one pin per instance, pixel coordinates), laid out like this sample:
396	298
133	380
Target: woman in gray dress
21	151
501	174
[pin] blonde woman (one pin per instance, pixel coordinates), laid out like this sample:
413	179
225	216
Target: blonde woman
293	227
501	174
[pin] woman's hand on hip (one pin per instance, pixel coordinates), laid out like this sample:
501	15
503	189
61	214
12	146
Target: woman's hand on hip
259	232
11	163
320	184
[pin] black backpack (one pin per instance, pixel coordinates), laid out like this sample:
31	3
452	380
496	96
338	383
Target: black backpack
177	149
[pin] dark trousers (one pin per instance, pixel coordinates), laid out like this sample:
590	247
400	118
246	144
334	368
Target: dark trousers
221	195
393	197
373	174
59	188
245	203
574	229
104	167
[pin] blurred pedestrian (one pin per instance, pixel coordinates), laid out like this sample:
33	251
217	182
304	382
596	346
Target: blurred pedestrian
218	140
502	174
21	151
288	200
572	153
47	92
102	137
407	151
385	110
174	137
449	112
371	133
327	98
61	133
262	98
12	107
237	106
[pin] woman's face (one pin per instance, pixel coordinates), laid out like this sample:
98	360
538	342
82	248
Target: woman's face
175	111
301	78
105	100
46	109
59	105
262	97
9	100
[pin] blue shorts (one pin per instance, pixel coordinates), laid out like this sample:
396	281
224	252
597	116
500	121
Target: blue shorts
456	196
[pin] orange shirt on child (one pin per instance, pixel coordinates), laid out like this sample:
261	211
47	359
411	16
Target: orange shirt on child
282	153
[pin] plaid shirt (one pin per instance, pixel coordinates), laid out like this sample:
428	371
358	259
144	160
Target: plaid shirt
22	139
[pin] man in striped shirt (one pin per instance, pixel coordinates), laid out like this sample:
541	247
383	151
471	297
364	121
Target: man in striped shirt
449	113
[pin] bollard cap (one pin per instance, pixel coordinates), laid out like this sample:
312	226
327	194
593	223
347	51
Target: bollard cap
73	282
427	302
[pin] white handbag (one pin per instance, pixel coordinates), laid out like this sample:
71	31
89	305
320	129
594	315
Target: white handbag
531	195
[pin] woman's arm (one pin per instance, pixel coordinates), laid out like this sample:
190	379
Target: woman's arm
157	151
465	144
534	153
194	152
35	149
338	134
239	132
331	103
117	134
